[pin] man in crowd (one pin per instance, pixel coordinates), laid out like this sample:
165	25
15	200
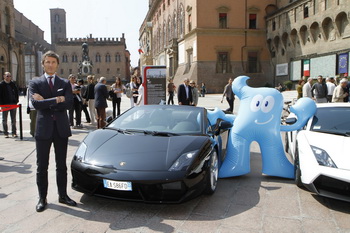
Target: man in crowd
339	93
9	96
307	88
319	90
76	108
230	96
330	88
184	93
101	95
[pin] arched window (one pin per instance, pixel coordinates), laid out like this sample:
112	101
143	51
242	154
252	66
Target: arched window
57	18
117	57
108	57
174	26
98	58
74	58
64	58
181	22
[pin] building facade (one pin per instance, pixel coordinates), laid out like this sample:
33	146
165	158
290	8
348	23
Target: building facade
34	44
309	38
11	50
208	41
109	56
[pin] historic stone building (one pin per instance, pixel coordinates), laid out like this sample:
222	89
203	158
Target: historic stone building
11	51
34	44
208	41
109	56
309	38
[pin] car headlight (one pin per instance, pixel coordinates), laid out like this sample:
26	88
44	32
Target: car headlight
183	161
322	157
80	153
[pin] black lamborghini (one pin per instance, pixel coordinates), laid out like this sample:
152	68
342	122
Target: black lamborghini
152	153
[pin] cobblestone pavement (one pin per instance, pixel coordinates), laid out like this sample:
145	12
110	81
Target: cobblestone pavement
250	203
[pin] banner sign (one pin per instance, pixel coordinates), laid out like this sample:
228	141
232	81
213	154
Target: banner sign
154	83
343	63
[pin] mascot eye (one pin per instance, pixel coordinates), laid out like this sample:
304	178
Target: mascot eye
256	103
267	104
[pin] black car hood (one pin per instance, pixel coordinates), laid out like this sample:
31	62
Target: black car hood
138	152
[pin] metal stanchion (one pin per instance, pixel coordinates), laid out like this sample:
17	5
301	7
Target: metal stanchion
20	123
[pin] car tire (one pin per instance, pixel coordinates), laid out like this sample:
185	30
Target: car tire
297	170
212	174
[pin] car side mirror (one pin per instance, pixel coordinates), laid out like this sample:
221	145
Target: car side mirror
290	121
223	125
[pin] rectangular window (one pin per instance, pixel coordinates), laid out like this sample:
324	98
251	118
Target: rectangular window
222	64
253	65
189	23
70	71
306	12
252	21
189	60
98	70
222	20
171	72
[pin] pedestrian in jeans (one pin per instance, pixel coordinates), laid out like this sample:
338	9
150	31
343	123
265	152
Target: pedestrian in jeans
117	89
9	96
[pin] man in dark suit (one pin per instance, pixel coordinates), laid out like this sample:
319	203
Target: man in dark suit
101	95
184	93
51	96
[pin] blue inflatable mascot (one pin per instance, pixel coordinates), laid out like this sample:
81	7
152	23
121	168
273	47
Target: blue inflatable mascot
259	119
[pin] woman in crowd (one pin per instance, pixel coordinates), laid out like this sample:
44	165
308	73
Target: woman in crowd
117	89
194	93
133	87
300	88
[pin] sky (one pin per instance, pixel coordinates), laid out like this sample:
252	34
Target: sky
101	18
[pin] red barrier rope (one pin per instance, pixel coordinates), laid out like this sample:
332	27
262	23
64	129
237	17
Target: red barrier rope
8	107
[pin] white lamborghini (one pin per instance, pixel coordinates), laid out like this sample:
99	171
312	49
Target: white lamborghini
321	151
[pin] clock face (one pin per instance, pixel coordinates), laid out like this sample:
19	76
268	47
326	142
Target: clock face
343	61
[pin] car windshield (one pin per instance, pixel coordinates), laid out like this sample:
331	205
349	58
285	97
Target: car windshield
332	120
157	119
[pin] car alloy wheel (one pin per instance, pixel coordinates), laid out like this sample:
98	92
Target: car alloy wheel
212	178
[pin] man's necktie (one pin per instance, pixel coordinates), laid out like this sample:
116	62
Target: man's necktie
50	82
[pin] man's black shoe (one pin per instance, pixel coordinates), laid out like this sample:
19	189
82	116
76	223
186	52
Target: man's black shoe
66	200
41	206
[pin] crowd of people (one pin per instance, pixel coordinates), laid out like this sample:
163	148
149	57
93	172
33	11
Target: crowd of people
324	90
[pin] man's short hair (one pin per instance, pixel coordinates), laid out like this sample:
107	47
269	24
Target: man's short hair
309	79
50	54
343	80
102	79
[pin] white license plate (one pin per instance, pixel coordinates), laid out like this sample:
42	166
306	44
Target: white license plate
117	185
